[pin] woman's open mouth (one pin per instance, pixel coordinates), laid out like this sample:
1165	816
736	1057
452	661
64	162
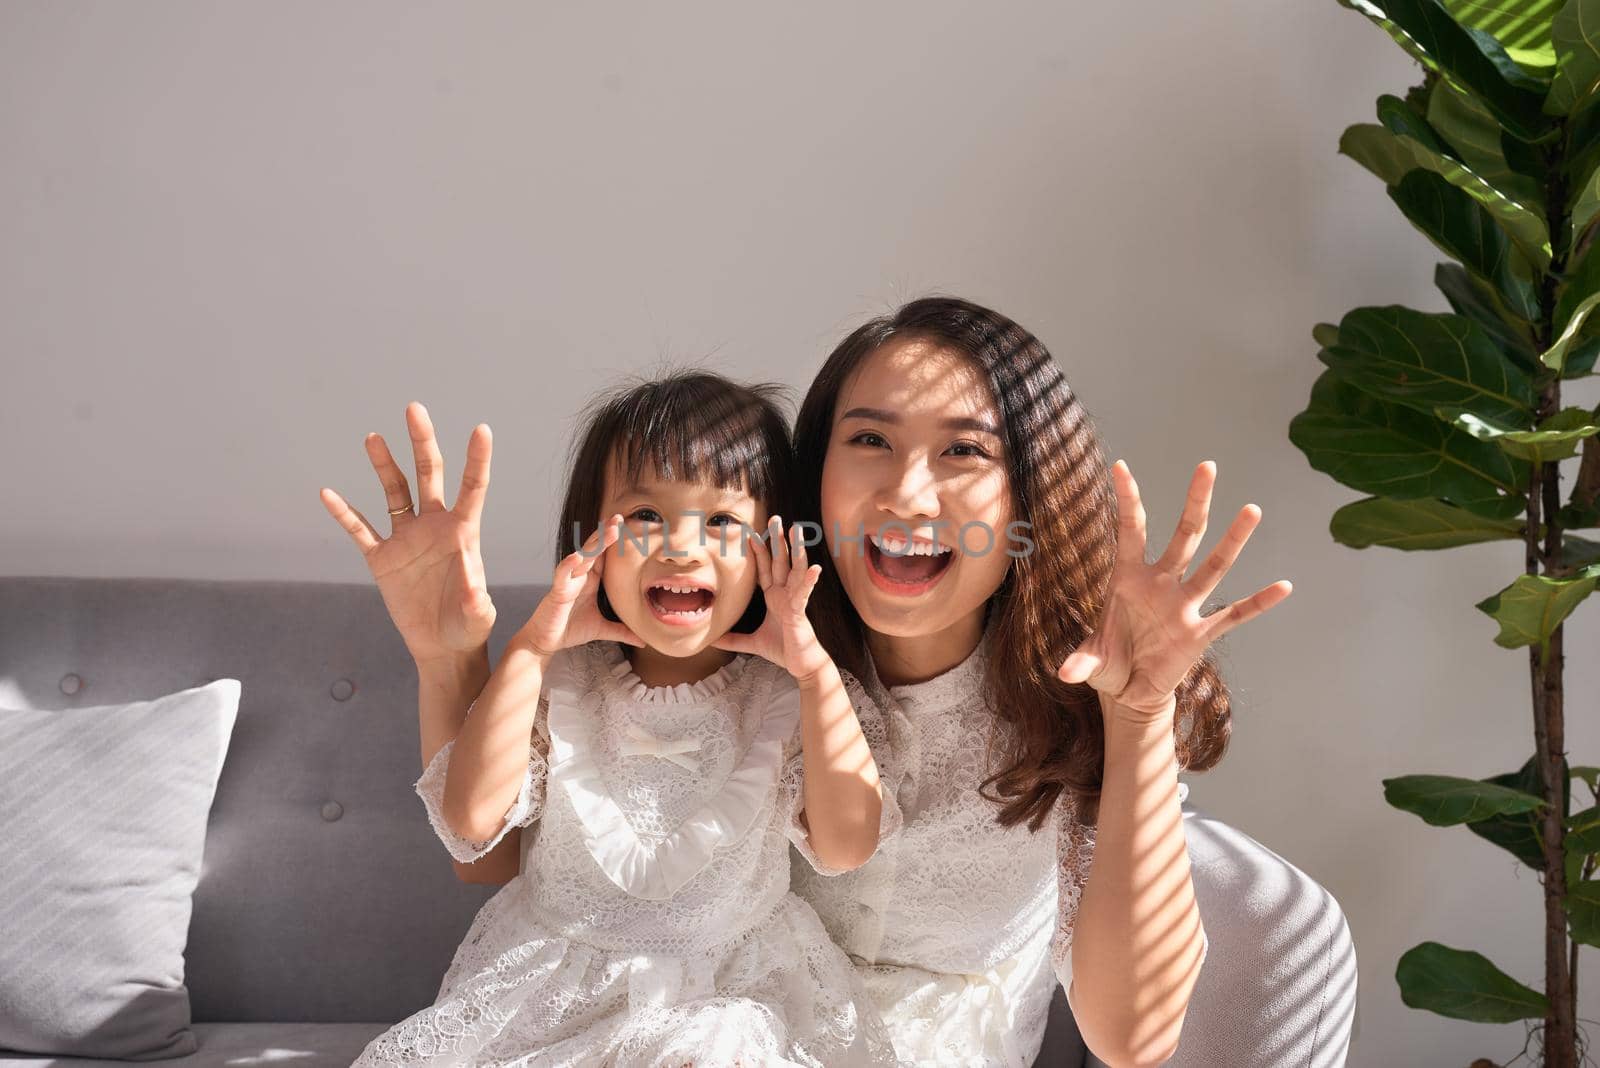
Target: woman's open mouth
907	569
681	602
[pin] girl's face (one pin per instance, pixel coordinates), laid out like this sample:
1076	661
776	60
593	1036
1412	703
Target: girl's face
915	449
679	574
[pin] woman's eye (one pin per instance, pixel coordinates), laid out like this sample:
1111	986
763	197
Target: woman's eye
973	447
870	438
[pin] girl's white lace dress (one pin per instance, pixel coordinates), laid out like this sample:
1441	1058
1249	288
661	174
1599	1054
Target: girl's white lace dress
960	927
652	923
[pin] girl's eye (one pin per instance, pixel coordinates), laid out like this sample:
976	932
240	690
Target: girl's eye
646	515
712	522
977	450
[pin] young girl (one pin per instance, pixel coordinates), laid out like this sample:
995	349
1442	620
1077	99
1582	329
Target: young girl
647	723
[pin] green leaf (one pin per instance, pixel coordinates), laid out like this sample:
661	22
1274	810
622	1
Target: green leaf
1575	34
1584	207
1583	828
1447	800
1325	334
1471	58
1416	525
1533	606
1399	116
1579	552
1423	360
1400	37
1521	26
1582	150
1464	985
1395	451
1576	345
1581	357
1391	157
1519	835
1555	357
1476	301
1464	229
1583	911
1574	516
1556	438
1581	280
1467	127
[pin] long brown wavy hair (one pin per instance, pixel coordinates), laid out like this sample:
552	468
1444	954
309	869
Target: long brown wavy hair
1051	599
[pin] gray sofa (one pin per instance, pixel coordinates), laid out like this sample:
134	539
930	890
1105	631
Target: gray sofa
327	910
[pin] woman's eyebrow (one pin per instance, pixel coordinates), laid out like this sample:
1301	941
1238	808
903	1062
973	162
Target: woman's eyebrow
960	422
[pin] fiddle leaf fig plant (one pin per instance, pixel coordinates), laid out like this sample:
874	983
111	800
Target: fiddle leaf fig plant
1452	426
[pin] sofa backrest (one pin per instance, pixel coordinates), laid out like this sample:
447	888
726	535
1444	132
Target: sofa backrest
324	895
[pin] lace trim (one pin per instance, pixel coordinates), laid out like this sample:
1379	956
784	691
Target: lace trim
682	693
647	868
527	808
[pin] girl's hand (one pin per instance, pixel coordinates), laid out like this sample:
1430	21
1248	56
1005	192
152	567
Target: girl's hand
1151	632
429	570
570	613
785	637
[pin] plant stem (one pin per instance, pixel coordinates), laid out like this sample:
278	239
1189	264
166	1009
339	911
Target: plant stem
1546	660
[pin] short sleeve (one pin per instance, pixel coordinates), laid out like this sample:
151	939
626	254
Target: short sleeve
527	808
791	785
1074	854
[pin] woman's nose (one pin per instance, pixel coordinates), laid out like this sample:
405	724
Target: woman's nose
913	494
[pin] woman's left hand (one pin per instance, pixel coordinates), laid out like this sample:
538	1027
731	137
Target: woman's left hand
1151	632
785	637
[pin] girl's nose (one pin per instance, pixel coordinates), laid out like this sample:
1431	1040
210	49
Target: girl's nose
680	539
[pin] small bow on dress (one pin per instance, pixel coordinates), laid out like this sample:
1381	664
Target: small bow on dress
640	742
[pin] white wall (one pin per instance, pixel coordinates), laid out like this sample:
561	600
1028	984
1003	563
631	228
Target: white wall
234	239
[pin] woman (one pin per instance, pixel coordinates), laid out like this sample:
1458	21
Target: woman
1022	691
947	411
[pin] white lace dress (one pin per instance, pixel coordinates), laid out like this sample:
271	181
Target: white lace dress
960	927
652	922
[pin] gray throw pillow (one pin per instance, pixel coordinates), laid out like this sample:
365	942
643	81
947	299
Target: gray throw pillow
103	816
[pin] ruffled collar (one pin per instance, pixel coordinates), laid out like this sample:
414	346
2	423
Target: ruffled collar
632	688
652	868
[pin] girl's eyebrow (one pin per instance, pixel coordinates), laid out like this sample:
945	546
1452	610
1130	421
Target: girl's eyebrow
959	422
729	499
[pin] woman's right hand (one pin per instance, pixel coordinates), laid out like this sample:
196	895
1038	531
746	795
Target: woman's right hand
570	613
429	570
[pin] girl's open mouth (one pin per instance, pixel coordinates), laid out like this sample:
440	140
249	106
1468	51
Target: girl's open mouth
680	604
905	573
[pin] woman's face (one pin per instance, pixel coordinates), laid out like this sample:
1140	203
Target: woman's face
678	536
915	452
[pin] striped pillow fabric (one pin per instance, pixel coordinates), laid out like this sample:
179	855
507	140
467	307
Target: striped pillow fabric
103	815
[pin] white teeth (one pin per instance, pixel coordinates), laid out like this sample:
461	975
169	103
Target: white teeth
898	547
